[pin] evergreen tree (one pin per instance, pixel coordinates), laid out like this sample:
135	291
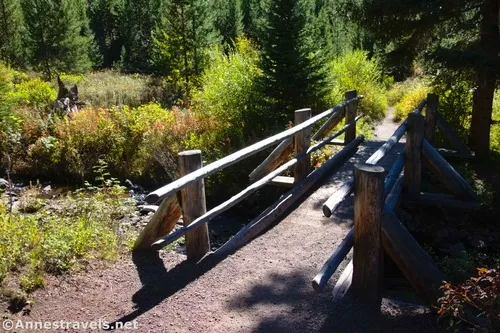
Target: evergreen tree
229	20
140	19
105	18
11	24
182	41
461	34
58	36
292	64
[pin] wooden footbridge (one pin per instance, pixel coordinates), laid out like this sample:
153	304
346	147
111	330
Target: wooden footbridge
379	175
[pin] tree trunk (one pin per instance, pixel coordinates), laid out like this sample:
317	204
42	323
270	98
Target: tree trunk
482	105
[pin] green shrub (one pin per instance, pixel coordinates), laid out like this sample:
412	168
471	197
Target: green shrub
33	93
355	71
495	128
408	96
229	94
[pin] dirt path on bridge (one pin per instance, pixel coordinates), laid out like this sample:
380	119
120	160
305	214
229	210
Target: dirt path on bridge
263	287
386	127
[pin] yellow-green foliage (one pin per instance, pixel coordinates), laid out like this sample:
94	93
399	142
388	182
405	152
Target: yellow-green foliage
407	96
355	71
495	128
33	92
57	237
111	88
229	93
137	142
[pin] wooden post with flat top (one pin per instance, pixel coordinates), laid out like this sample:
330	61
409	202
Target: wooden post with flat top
194	206
368	251
302	143
350	115
413	155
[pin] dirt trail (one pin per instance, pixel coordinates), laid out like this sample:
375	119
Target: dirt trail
387	126
264	287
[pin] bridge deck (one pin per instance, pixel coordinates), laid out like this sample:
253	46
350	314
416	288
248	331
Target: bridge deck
264	287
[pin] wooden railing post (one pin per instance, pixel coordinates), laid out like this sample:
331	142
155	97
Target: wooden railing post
350	115
367	257
413	154
302	143
193	206
430	116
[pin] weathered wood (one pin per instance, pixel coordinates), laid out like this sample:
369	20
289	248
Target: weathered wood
368	254
321	279
413	154
393	174
344	282
245	193
446	173
430	116
350	115
442	200
392	199
278	209
277	156
229	160
392	190
415	263
161	224
283	181
453	154
334	201
333	121
452	135
193	206
302	141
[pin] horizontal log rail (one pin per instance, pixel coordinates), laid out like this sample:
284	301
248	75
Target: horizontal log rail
247	191
233	158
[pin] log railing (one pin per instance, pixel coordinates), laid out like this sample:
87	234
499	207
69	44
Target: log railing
188	191
377	228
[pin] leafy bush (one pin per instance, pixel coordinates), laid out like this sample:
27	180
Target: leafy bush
408	95
474	304
33	92
355	71
229	93
495	128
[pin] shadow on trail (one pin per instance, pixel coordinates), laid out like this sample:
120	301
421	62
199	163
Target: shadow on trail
159	284
284	303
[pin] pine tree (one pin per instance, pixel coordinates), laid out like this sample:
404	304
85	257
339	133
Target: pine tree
58	35
105	18
461	35
182	41
229	20
140	19
292	65
11	25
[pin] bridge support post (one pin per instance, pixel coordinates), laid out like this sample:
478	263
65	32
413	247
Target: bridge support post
368	251
431	116
413	155
302	143
194	206
350	115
